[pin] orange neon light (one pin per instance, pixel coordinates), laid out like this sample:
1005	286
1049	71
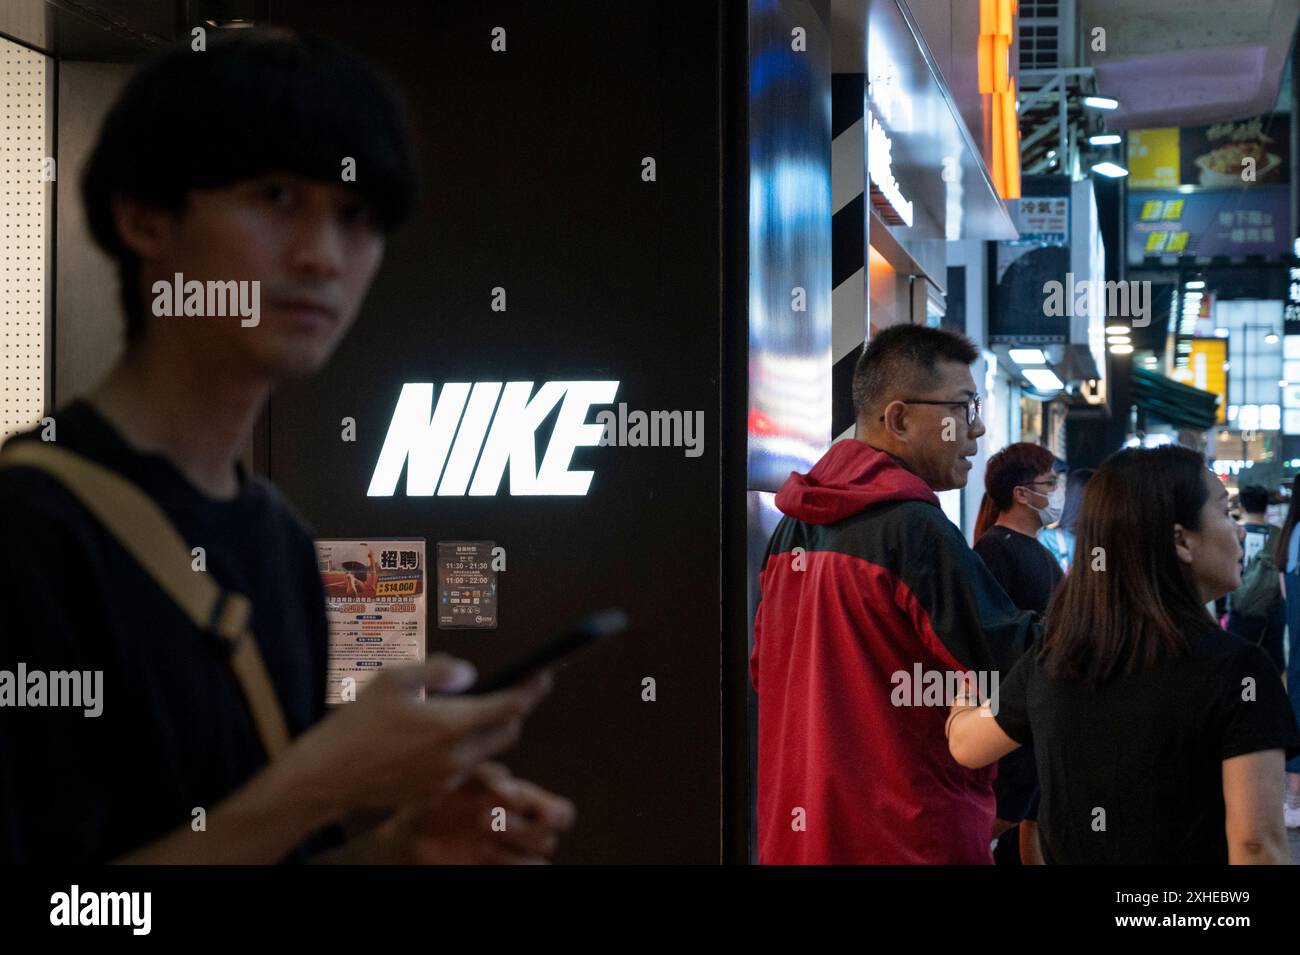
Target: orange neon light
997	20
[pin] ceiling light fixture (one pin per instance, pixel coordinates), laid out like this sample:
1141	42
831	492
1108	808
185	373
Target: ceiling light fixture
1110	170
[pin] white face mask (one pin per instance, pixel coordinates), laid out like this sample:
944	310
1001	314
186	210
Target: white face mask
1055	506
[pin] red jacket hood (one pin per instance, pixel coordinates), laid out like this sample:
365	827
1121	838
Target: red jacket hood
850	477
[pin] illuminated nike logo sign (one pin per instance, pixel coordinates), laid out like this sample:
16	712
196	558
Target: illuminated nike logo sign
463	444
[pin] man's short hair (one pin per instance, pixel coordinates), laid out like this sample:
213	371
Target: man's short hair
1253	498
902	361
256	101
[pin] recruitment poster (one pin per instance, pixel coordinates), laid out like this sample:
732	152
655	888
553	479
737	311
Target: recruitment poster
375	605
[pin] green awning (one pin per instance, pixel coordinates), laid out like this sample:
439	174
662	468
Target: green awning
1172	401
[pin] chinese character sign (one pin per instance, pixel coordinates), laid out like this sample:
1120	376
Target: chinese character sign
375	608
1223	223
467	584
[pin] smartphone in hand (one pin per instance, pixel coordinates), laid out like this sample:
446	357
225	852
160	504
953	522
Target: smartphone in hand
573	638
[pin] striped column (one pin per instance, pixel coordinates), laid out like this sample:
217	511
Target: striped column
848	244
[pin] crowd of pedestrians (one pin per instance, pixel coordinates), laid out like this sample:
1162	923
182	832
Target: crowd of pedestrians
1101	678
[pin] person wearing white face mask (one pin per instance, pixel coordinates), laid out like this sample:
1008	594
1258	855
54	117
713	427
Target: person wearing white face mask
1055	507
1024	492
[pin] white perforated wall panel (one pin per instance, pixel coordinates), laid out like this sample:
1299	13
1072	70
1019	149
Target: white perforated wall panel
24	197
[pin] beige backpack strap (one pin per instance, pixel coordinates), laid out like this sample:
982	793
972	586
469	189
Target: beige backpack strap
148	536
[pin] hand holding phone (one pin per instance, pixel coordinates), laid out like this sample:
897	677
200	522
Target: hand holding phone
583	633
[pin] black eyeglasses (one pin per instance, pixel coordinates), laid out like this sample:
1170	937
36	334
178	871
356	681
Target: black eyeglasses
974	405
1053	483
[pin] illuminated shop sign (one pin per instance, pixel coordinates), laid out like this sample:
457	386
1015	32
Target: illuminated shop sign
1292	309
463	444
885	88
997	24
886	195
1208	223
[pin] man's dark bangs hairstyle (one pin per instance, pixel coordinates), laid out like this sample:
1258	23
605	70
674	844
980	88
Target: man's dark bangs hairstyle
1253	499
256	101
1128	602
905	357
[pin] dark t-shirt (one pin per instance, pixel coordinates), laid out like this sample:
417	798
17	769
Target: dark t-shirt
1132	772
1025	568
1028	573
174	733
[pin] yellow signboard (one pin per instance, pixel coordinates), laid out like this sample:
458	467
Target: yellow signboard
1153	158
1205	370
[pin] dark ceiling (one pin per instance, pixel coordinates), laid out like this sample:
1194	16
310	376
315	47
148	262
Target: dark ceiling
111	30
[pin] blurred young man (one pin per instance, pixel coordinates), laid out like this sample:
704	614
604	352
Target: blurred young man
866	589
1024	492
226	165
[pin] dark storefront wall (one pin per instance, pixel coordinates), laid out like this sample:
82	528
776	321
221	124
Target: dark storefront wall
531	168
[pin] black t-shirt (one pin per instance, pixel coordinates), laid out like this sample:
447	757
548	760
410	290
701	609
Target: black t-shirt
1028	573
1132	772
174	733
1025	568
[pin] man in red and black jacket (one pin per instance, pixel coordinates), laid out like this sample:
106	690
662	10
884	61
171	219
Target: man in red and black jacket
871	601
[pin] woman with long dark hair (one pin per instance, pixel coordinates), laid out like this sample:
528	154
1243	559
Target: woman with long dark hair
1160	738
1287	558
